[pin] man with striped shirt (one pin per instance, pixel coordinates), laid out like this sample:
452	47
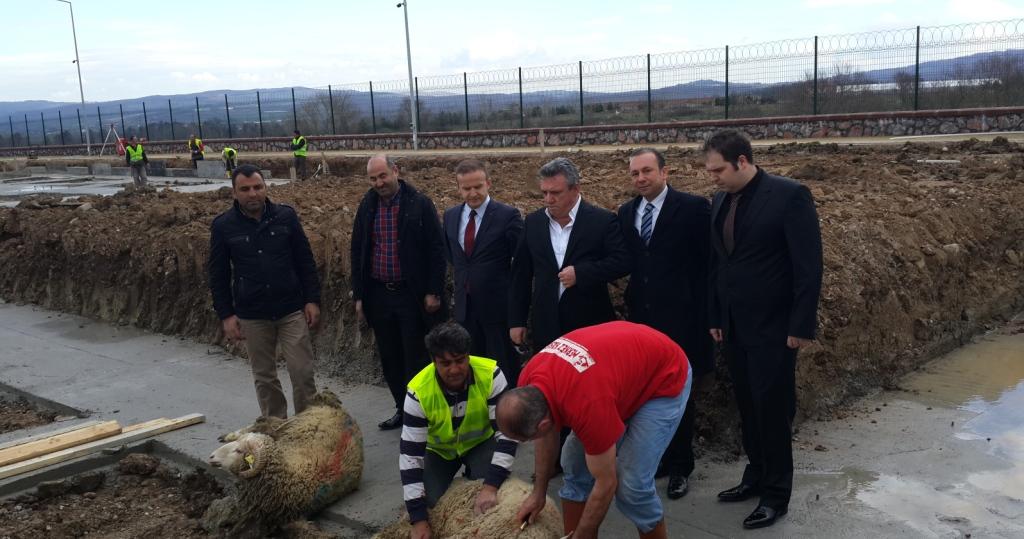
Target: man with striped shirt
448	423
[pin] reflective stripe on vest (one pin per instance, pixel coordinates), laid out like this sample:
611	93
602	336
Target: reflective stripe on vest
476	425
134	153
301	152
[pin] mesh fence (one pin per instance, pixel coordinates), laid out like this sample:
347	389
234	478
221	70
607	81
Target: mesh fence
946	67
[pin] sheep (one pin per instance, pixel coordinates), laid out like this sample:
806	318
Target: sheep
287	469
453	518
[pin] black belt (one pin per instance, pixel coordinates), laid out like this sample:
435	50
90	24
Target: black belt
391	285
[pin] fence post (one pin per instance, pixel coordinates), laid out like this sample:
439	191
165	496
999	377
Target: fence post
124	132
373	110
199	118
99	121
726	82
650	114
815	111
145	120
259	112
42	120
60	120
465	95
11	121
416	83
522	113
917	68
170	111
227	112
295	115
28	136
330	99
81	132
581	91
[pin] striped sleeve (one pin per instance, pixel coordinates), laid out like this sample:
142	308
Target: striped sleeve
504	448
412	449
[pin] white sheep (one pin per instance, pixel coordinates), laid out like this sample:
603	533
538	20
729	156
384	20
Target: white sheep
287	469
453	518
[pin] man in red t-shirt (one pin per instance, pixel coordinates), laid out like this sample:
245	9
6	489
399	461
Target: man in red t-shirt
622	388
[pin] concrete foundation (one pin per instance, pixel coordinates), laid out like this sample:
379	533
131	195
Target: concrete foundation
81	171
209	169
100	169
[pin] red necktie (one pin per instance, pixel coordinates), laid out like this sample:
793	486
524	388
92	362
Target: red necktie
470	236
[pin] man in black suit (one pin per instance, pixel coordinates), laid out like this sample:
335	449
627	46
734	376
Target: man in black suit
765	282
480	237
568	253
398	273
666	232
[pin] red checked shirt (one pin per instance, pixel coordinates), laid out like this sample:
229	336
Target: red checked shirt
597	377
386	266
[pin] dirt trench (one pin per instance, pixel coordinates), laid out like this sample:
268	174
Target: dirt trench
919	255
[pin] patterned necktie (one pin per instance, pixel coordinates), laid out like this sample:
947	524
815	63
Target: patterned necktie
729	228
470	236
647	224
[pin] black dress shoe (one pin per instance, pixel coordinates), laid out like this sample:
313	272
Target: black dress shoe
392	422
678	486
762	517
738	493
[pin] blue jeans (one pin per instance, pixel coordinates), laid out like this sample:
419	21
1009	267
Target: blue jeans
638	452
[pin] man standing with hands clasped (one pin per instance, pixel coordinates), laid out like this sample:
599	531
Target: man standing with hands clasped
265	289
765	282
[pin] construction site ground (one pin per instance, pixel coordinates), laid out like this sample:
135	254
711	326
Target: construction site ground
923	252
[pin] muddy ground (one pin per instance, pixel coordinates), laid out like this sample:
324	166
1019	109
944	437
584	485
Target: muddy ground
19	413
919	255
141	497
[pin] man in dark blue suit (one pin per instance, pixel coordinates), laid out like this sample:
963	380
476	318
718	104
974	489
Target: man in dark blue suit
480	237
765	282
666	232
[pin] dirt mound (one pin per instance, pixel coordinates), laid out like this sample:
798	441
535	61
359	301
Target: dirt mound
20	414
923	247
142	497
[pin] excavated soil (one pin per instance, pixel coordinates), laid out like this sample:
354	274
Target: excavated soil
142	497
19	414
919	255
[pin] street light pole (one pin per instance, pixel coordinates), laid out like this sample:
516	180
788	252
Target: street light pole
412	96
78	65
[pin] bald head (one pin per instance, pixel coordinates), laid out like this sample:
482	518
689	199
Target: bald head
383	175
522	413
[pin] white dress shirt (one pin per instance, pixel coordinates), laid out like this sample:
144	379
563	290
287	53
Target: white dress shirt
658	202
560	237
464	220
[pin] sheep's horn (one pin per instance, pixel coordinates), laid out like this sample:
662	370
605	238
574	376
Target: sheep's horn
256	462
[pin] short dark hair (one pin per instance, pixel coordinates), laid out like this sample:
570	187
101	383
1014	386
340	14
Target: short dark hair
467	166
244	170
296	132
731	144
531	409
641	151
448	337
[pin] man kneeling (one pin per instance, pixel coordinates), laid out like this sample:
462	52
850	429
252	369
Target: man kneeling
622	388
448	422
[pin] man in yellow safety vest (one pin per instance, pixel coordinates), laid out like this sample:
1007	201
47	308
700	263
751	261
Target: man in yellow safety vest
135	156
195	149
230	156
299	152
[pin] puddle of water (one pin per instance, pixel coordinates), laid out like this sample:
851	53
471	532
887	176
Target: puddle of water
974	376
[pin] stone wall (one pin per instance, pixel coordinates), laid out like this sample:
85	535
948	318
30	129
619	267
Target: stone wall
925	122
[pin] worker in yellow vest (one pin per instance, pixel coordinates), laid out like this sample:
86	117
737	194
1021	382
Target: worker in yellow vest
195	149
299	151
448	423
230	156
135	156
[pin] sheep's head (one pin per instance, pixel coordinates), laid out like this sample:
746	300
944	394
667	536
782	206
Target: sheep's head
244	457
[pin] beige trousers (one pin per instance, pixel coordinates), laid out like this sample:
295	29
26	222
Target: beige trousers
290	336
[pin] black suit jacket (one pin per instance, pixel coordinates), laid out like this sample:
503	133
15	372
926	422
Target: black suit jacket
420	250
599	255
488	271
669	281
768	288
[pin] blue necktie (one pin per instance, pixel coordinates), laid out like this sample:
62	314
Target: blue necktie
647	224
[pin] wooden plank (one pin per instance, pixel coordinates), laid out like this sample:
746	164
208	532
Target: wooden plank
147	424
98	445
38	448
33	438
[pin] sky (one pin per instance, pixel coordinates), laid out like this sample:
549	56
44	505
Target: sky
142	47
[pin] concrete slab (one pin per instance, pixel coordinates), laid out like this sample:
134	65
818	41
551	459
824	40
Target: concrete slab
100	169
120	171
157	168
209	169
181	173
55	167
82	171
265	173
37	171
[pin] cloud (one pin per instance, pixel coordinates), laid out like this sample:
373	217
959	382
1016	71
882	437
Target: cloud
987	10
815	4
